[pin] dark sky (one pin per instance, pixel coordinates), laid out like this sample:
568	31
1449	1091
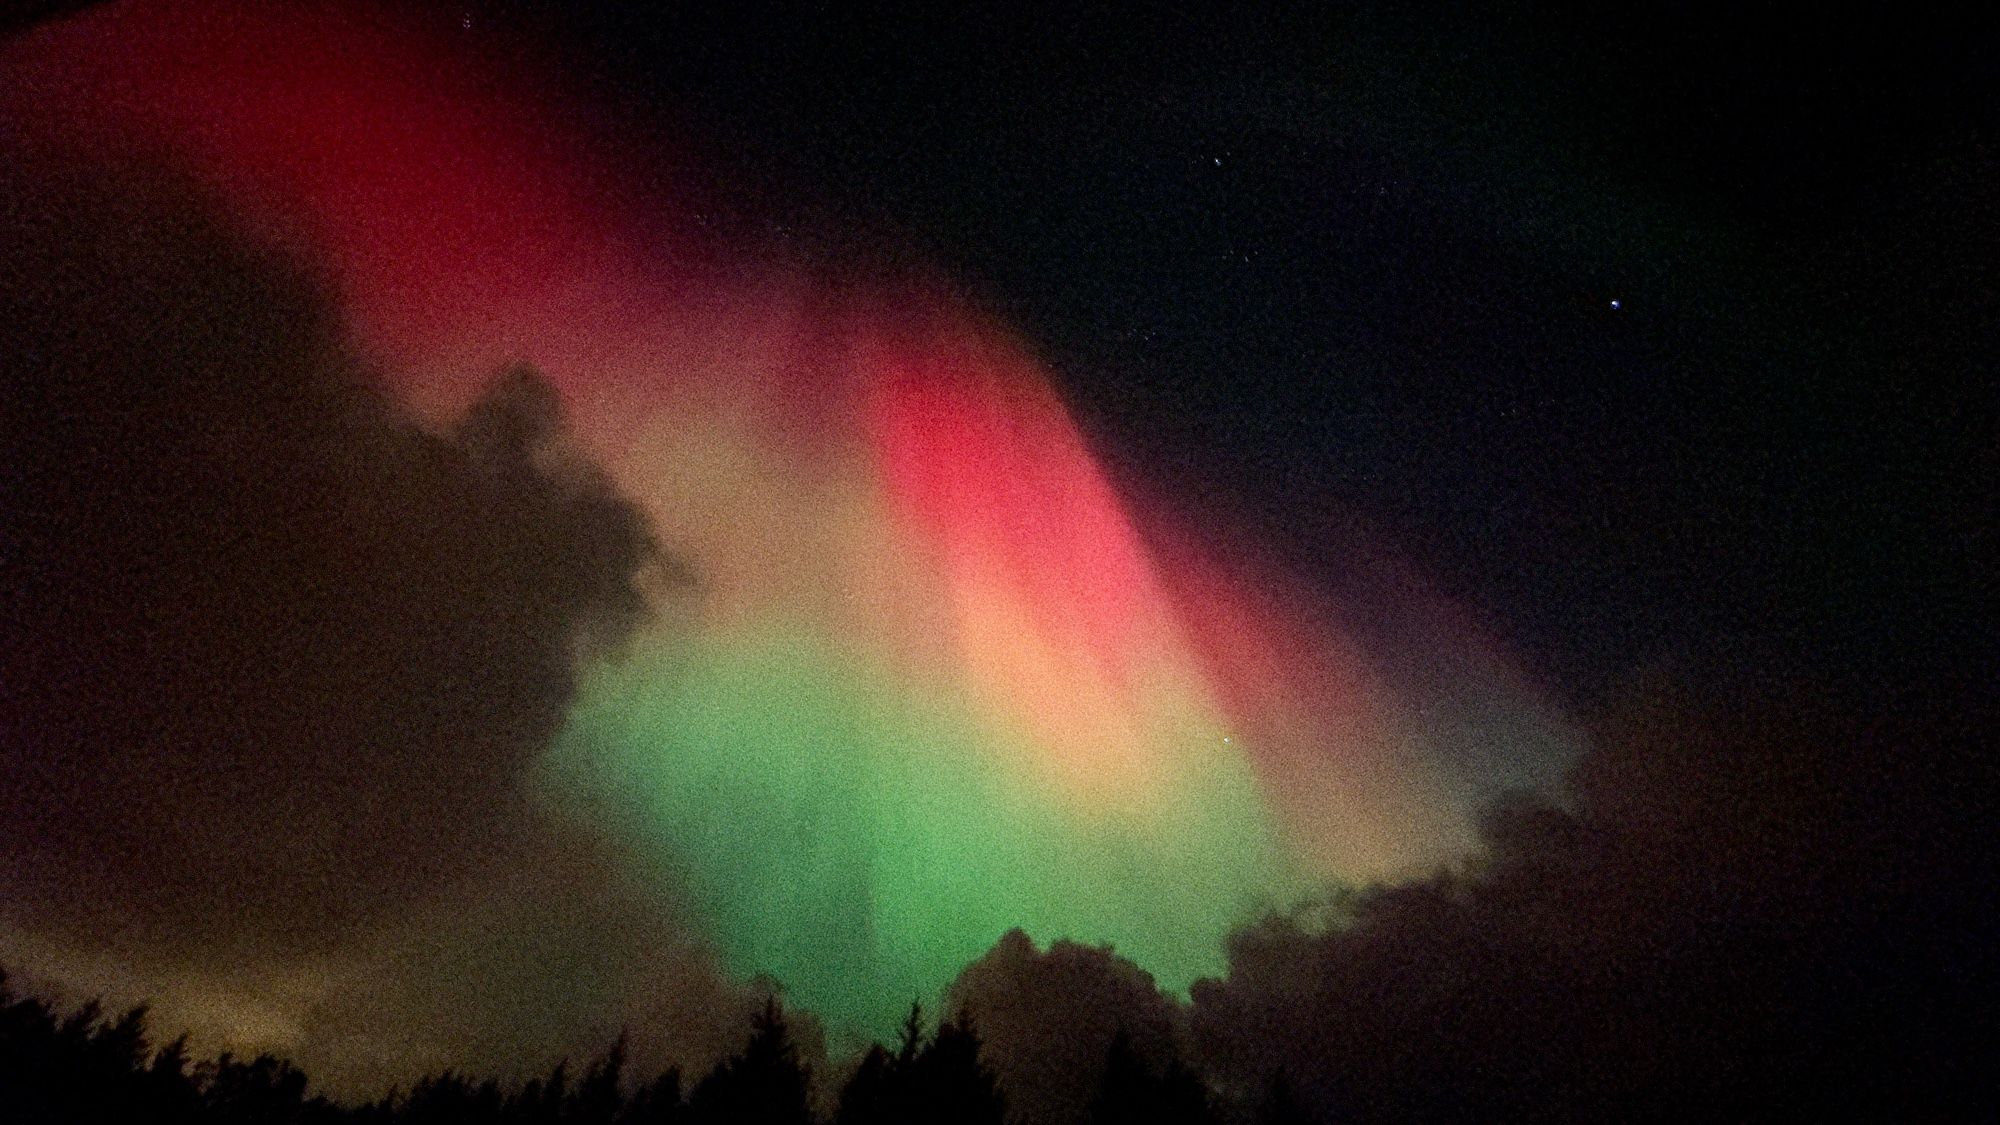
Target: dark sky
1649	335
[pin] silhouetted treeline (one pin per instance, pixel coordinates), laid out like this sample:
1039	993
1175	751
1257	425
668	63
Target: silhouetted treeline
937	1079
86	1066
1751	906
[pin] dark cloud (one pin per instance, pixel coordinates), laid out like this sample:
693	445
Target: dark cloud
1757	899
272	656
1048	1019
524	964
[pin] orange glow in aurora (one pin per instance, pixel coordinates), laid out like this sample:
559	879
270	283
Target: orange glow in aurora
937	678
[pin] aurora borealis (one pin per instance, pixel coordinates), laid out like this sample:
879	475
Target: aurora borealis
933	674
562	564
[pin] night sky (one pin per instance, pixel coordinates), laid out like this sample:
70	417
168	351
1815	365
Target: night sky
1641	332
524	520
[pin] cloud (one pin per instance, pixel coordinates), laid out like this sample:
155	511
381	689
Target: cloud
524	964
273	658
1048	1018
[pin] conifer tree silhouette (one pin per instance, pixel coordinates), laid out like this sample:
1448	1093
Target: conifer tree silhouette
656	1103
867	1097
1130	1093
764	1084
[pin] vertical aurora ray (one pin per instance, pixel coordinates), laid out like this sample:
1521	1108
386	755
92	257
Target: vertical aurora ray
940	679
860	815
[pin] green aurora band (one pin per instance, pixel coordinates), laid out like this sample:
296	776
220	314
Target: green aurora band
860	844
